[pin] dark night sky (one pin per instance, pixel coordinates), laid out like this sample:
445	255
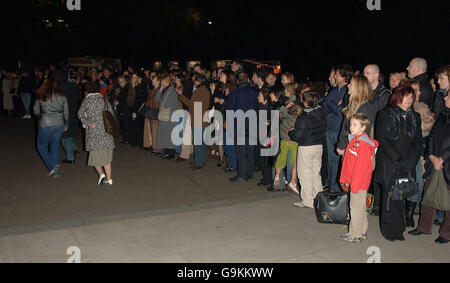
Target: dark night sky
306	36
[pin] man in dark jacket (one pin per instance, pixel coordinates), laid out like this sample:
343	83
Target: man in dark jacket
243	98
334	102
26	88
417	70
72	93
381	95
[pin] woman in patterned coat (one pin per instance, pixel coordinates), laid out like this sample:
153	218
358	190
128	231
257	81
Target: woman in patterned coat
99	144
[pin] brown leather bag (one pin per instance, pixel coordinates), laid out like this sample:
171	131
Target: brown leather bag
111	126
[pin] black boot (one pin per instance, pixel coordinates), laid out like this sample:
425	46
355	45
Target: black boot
410	208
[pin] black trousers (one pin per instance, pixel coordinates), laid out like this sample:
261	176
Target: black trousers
133	131
325	170
375	189
266	166
246	160
392	224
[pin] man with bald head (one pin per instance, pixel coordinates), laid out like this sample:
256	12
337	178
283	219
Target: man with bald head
417	70
381	95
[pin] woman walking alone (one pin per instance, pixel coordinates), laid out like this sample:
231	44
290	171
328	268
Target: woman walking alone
99	144
53	112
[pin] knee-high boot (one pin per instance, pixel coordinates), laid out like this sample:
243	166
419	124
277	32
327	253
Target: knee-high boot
410	208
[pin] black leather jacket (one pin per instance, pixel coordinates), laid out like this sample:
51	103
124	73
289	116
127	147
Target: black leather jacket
439	144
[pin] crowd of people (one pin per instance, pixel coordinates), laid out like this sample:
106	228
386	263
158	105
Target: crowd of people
350	134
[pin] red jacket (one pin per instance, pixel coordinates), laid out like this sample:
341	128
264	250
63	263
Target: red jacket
357	168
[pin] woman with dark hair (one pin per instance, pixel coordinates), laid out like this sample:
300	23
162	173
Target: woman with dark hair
443	79
229	150
53	112
99	143
309	133
218	103
265	163
134	123
276	98
227	77
119	102
399	130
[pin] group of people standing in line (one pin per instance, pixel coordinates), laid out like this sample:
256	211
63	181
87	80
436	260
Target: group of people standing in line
330	137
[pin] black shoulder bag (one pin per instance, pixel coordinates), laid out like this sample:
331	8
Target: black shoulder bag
402	189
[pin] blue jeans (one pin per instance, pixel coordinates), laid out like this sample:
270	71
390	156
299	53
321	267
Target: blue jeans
26	100
69	147
50	136
199	150
230	152
419	176
289	166
179	148
333	159
440	216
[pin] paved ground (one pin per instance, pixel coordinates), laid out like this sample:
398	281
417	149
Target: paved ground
31	201
253	232
151	216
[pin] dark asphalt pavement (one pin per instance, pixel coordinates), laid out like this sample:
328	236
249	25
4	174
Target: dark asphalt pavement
144	185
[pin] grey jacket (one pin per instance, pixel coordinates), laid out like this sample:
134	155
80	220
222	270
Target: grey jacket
53	112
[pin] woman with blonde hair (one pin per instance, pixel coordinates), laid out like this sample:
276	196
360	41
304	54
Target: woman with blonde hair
395	79
287	78
361	101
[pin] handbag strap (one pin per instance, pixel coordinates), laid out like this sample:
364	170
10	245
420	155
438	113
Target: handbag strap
105	106
167	95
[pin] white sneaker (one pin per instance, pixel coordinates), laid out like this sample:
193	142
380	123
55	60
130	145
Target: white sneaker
110	182
293	188
299	205
101	180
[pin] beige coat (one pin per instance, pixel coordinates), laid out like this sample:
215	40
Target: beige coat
9	84
426	116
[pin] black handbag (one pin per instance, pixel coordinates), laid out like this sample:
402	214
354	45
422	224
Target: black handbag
152	113
404	188
332	208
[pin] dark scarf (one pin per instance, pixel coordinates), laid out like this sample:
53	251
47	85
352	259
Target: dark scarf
393	125
131	98
446	113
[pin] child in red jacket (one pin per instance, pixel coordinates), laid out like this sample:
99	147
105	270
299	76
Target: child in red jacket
356	176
